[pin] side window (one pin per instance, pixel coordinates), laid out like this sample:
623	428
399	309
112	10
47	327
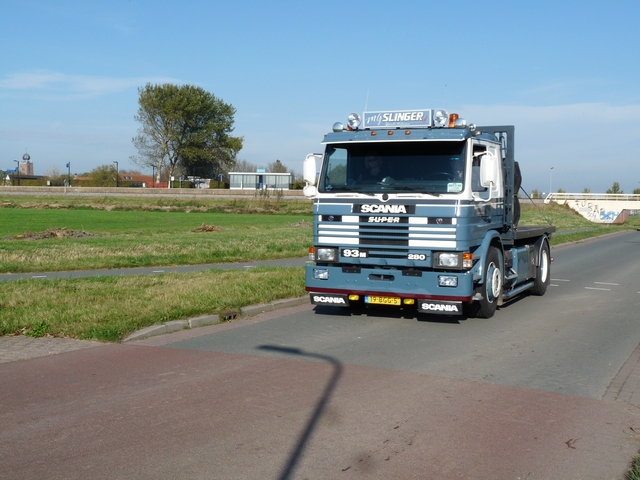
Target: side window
336	173
478	151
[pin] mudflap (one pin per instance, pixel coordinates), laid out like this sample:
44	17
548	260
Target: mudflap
330	299
440	307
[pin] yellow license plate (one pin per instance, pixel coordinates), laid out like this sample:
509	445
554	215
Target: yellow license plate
382	300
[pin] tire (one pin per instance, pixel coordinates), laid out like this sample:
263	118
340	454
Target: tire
543	271
516	210
517	178
517	182
491	289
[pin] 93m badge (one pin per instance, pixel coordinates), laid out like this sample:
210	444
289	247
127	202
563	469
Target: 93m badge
353	253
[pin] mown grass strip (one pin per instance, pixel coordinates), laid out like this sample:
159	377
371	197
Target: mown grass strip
108	308
260	203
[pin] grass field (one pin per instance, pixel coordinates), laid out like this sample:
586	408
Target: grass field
146	238
147	234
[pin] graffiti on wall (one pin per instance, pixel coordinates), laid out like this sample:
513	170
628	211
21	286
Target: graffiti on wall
591	211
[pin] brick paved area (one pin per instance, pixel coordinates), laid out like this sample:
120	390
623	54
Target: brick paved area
23	348
625	387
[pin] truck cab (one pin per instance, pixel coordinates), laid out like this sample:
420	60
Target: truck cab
418	209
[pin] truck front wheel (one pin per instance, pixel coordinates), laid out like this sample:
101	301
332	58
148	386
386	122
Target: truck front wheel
491	289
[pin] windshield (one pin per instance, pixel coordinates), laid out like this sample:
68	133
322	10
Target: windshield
427	167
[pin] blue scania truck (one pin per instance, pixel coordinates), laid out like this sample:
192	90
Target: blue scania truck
417	209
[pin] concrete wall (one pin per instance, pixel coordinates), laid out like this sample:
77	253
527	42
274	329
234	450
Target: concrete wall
124	191
599	208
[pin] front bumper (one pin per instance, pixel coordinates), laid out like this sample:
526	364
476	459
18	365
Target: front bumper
402	283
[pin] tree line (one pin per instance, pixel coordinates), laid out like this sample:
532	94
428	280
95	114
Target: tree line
615	189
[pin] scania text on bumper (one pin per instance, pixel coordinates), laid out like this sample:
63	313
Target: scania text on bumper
439	307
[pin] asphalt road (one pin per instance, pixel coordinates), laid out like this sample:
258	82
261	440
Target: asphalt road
319	393
573	340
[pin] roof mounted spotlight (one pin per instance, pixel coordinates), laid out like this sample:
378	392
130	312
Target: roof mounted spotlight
441	119
353	121
338	127
460	123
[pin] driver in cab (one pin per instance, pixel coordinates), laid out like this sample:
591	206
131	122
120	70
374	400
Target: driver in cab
373	169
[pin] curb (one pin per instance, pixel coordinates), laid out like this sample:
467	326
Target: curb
250	311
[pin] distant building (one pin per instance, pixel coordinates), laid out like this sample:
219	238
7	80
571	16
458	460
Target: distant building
259	181
26	168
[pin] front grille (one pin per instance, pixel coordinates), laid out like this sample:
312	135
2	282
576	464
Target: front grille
391	236
399	253
386	255
384	241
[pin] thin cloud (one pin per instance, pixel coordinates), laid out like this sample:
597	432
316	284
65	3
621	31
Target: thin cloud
45	82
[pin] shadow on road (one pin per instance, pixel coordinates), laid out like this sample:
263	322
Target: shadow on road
410	314
296	453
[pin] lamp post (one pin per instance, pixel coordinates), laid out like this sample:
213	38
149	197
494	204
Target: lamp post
18	171
550	177
153	176
116	172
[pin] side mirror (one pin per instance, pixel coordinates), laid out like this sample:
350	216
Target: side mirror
489	170
309	169
309	174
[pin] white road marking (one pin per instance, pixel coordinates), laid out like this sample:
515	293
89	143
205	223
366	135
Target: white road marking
560	280
605	283
594	288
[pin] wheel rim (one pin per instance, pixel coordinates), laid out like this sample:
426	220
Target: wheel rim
544	266
494	283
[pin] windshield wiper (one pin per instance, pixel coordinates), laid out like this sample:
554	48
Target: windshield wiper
331	189
416	189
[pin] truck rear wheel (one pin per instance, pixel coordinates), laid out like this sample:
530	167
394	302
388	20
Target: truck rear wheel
491	289
543	271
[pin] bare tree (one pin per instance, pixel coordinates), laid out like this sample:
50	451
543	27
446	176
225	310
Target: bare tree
276	167
53	172
244	166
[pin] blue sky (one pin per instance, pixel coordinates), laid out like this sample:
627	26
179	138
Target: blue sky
566	74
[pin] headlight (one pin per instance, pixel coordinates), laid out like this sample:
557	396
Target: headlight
320	274
326	254
447	281
441	119
447	260
452	260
